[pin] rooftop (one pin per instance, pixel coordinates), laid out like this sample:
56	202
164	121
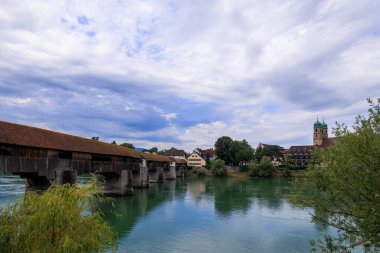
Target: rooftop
22	135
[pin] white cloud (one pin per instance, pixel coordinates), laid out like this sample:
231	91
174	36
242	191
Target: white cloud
16	101
308	58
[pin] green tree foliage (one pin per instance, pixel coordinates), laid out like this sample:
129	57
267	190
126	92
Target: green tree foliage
218	168
152	150
345	186
253	169
269	150
209	164
259	153
223	148
287	172
163	152
241	152
264	169
61	219
233	152
127	145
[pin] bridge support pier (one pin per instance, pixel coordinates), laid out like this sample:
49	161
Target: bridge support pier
170	174
141	177
157	175
180	172
33	182
65	176
115	184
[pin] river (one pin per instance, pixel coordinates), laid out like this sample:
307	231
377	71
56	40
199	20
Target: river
203	215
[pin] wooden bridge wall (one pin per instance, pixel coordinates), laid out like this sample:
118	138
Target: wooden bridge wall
21	160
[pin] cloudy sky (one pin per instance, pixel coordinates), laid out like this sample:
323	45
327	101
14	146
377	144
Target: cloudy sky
183	73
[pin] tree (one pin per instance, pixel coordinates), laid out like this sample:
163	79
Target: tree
223	147
127	145
218	168
273	151
344	186
269	150
241	152
61	219
152	150
253	169
114	143
266	168
259	153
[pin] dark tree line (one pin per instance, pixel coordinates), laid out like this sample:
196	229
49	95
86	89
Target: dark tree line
233	152
270	151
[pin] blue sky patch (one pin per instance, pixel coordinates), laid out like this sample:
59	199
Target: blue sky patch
83	20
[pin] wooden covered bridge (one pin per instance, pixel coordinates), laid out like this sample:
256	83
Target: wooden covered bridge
40	156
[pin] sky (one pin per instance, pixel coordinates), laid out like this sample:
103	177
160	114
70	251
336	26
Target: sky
183	73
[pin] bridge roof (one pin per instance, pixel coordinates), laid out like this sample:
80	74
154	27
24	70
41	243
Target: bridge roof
154	157
22	135
177	160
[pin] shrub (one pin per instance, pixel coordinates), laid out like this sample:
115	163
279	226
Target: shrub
209	164
201	173
253	169
243	168
287	172
219	168
266	167
61	219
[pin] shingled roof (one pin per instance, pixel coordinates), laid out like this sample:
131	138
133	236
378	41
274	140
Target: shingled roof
328	142
301	149
178	160
175	152
154	157
22	135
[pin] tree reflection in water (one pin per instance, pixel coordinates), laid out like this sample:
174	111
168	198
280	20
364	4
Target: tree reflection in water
230	196
235	195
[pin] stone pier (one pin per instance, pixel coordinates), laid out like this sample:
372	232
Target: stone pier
170	172
65	176
141	177
115	184
156	175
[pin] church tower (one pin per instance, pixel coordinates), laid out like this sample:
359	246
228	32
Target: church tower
320	132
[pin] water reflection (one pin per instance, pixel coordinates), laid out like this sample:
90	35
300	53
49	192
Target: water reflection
124	212
229	196
204	215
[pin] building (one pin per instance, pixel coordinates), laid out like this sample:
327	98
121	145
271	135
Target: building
176	153
195	160
302	155
206	154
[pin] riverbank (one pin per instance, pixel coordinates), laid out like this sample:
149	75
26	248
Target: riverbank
196	173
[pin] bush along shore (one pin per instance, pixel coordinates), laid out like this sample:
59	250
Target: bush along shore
253	169
64	218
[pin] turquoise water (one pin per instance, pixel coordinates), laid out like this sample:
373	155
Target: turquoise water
205	215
